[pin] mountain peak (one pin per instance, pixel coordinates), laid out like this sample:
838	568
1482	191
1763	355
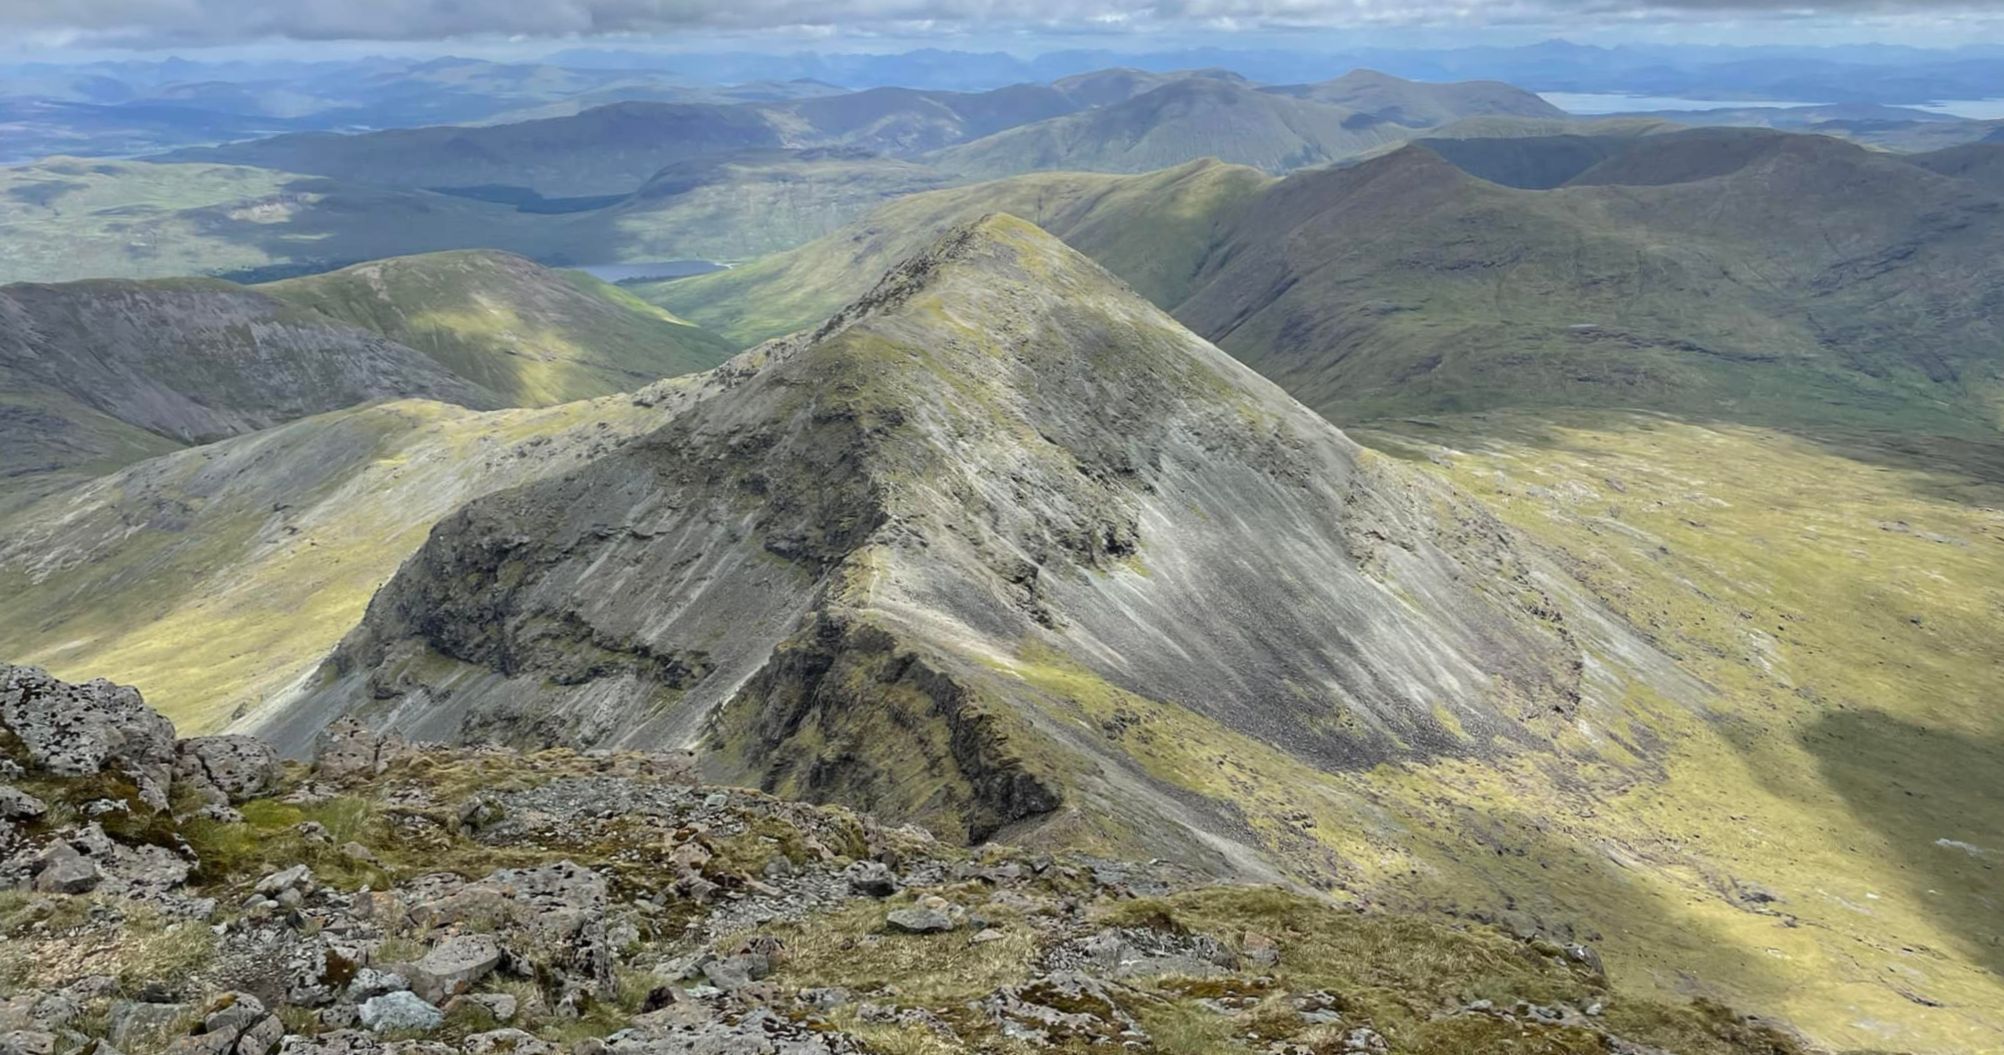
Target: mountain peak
900	536
997	245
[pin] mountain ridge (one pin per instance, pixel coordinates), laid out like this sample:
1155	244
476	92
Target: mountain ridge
814	519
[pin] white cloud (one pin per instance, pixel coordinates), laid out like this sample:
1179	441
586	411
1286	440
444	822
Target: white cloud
123	22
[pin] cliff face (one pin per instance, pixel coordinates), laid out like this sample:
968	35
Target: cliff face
932	557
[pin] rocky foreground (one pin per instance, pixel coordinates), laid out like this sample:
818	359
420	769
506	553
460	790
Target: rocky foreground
202	897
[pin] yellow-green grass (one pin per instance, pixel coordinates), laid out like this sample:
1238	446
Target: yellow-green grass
210	621
1846	611
532	335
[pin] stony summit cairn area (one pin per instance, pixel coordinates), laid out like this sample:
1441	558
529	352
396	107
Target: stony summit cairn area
202	897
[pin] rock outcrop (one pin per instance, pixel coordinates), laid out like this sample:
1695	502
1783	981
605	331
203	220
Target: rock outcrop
81	730
607	904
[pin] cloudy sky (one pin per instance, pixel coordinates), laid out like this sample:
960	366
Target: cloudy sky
71	25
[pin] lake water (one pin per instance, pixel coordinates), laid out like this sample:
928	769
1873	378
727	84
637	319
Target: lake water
650	269
1595	103
1588	104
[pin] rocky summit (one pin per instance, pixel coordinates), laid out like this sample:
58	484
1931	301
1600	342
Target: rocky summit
196	897
886	561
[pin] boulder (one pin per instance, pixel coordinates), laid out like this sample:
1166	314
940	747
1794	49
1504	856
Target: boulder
233	1024
871	879
62	870
335	1042
135	1024
227	769
454	965
401	1011
27	1042
80	730
18	805
920	921
506	1042
298	877
348	750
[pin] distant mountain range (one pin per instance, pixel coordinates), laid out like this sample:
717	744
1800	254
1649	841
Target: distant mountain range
1121	120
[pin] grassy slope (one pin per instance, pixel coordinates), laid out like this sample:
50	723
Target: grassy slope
1811	284
1152	230
1826	844
533	335
258	553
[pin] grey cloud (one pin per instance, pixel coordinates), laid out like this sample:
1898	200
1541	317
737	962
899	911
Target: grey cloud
201	21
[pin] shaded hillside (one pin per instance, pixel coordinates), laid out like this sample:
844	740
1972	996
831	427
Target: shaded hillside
1154	230
97	373
1384	98
1275	129
607	150
1531	162
614	149
528	334
1173	124
1106	87
1980	163
1756	276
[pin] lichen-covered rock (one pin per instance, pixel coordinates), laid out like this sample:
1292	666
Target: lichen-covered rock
233	1024
760	1032
18	805
399	1012
552	920
78	730
871	878
226	769
134	1024
28	1042
1065	1007
453	965
333	1042
506	1042
919	921
60	869
348	750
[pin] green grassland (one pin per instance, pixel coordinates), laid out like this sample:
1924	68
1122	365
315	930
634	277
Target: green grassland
1824	837
533	336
